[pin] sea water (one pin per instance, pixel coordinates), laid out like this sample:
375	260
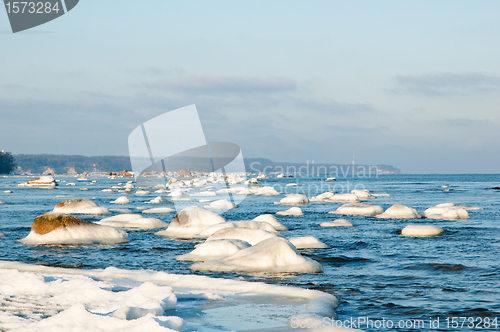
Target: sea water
376	273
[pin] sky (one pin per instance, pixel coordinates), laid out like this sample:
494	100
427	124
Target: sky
412	84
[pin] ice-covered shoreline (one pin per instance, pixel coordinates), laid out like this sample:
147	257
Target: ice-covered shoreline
61	297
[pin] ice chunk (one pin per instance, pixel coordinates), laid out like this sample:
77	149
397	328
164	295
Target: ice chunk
307	242
80	206
358	209
294	211
269	218
274	255
421	230
132	221
215	249
398	211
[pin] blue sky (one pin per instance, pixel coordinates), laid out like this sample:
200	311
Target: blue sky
412	84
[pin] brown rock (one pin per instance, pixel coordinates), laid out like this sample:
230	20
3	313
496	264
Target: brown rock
125	173
184	173
48	222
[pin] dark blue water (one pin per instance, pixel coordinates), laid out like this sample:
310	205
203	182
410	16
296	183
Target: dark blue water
373	270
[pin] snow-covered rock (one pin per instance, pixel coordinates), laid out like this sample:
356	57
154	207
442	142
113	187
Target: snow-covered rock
122	200
57	228
204	193
80	206
158	200
191	221
447	211
252	236
294	199
142	192
358	209
274	255
324	197
362	193
266	191
269	218
235	224
159	210
132	221
337	223
214	250
344	198
41	182
398	211
221	204
294	211
421	230
307	242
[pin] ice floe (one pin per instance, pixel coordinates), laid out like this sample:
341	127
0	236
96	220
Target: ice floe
293	211
53	228
274	255
421	230
80	206
132	221
336	223
307	242
191	221
358	209
398	211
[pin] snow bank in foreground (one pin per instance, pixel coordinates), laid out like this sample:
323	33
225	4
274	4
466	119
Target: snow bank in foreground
358	209
274	255
80	206
191	221
40	292
269	218
398	211
307	242
421	230
336	223
215	249
132	221
294	211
